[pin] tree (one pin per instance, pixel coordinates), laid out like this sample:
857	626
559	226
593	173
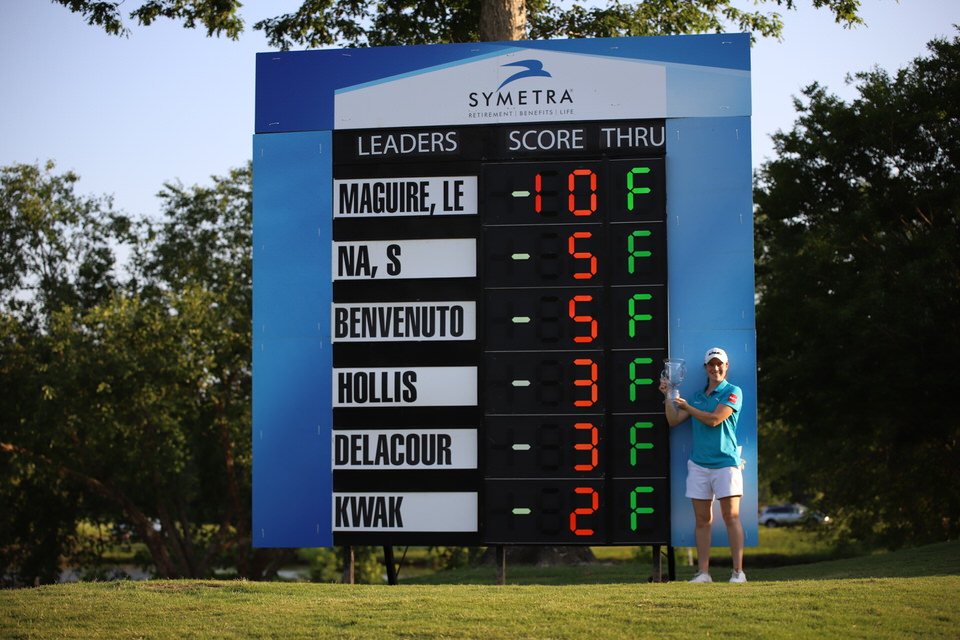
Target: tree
57	250
319	23
55	243
132	406
38	522
117	417
858	276
503	20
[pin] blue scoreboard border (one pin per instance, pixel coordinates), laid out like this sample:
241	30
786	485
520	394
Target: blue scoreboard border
710	254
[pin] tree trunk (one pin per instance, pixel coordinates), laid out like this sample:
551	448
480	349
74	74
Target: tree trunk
503	20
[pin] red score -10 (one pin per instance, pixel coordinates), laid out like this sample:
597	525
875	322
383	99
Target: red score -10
590	193
614	190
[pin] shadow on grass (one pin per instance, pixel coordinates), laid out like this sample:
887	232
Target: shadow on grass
931	560
941	559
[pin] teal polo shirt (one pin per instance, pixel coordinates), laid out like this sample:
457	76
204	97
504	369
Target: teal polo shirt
716	447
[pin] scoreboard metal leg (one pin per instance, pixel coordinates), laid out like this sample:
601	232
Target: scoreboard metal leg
391	565
657	568
501	564
657	574
349	566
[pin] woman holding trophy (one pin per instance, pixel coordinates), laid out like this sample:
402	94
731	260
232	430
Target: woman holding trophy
714	467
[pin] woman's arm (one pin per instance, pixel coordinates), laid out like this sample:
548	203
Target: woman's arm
721	413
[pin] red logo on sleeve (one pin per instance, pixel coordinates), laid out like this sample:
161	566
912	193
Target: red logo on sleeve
733	398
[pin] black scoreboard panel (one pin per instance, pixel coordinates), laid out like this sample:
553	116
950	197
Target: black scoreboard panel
500	318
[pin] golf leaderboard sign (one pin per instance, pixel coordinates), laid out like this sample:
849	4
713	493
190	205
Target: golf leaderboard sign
499	315
461	293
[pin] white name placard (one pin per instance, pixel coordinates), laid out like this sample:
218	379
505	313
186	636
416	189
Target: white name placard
412	511
402	259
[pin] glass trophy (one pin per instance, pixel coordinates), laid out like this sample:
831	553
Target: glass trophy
675	370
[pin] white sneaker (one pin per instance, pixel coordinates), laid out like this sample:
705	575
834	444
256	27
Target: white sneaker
702	577
738	576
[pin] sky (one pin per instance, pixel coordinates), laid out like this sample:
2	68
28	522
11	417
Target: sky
169	104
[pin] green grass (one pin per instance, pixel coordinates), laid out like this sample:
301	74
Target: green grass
792	541
778	547
911	593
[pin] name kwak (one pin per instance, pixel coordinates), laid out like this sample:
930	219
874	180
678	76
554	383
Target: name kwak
369	512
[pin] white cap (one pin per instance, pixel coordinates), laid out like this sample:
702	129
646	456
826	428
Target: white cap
718	353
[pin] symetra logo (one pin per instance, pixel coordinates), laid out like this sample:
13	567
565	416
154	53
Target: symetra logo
521	97
533	68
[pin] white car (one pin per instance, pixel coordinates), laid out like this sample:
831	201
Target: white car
784	515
